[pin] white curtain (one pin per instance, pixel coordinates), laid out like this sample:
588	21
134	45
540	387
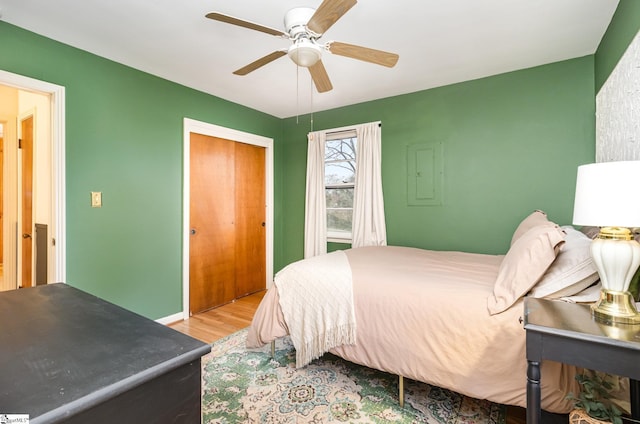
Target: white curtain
369	228
315	208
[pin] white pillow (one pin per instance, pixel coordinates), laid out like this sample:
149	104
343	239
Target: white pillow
589	295
572	271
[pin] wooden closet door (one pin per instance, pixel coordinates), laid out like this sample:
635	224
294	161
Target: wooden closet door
212	215
227	220
250	219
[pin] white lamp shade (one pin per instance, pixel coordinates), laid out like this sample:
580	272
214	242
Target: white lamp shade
607	194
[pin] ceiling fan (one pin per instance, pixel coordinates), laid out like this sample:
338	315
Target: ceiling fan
304	27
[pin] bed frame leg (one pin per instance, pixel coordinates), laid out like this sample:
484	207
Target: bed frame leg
401	390
273	349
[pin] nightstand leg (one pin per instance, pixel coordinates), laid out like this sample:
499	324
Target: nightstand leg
634	389
533	392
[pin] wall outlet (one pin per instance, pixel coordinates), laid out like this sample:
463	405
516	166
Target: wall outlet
96	199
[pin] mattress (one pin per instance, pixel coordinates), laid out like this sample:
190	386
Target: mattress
423	314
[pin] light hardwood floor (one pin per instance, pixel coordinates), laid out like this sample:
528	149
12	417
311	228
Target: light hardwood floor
219	322
227	319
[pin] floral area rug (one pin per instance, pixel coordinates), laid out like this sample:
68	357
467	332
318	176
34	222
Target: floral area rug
243	385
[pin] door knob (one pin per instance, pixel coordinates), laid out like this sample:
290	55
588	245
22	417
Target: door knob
26	236
193	231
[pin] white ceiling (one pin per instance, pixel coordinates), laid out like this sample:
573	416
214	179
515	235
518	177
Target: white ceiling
440	42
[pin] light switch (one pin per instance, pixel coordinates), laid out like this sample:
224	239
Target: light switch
96	199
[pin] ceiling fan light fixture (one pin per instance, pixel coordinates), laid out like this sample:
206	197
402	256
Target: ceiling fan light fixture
305	53
304	28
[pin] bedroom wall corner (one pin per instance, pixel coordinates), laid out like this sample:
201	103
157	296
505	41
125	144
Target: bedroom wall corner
124	133
618	108
621	31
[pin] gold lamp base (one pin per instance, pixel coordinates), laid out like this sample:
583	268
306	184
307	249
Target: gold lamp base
615	307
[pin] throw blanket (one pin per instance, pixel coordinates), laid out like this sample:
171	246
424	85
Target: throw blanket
316	298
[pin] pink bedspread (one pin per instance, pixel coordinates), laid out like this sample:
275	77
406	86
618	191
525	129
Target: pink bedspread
423	314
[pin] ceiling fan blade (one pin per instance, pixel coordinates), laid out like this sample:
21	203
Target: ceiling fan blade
320	77
328	13
378	57
260	62
245	24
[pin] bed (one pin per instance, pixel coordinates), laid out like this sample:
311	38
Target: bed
449	319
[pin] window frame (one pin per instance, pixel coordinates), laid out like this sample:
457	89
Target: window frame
343	134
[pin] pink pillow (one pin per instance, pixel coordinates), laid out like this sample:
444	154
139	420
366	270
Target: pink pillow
524	264
536	218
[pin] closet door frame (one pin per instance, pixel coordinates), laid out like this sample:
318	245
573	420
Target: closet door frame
199	127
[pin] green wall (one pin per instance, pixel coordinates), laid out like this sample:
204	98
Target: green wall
124	138
512	144
623	27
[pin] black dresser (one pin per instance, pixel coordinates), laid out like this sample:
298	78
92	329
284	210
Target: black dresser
69	357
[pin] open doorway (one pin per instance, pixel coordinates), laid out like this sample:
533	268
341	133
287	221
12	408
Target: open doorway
1	198
32	247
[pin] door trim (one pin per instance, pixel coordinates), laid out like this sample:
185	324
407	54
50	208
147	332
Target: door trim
58	194
193	126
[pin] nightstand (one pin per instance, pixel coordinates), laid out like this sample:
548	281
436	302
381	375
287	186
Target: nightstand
566	332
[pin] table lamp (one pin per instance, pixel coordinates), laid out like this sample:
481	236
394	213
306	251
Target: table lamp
607	196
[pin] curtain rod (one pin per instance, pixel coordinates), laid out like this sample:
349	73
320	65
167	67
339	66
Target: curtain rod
350	128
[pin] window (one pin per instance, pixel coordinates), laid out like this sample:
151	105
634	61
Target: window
339	182
351	157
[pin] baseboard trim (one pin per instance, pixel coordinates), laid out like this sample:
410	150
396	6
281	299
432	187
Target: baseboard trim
171	319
